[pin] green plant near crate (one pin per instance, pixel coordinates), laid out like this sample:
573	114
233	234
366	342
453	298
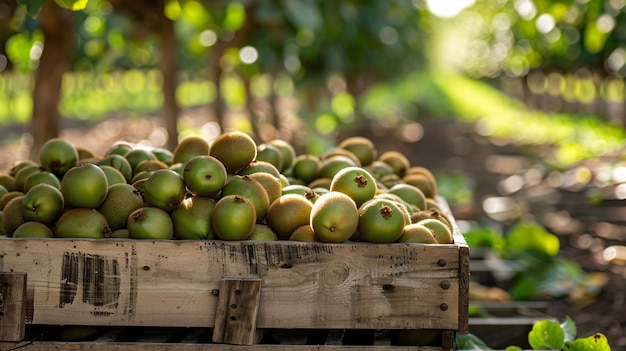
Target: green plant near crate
540	272
545	335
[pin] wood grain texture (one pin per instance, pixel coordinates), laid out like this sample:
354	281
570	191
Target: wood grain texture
80	346
237	311
304	285
12	306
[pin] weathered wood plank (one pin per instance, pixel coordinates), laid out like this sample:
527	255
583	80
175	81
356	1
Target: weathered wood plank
237	311
305	285
12	306
81	346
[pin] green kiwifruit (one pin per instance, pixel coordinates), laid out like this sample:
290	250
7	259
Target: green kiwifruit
58	156
398	162
271	154
13	215
287	213
441	231
19	164
381	221
361	147
260	166
306	167
252	190
4	200
150	223
303	233
84	185
412	195
192	219
33	230
234	149
43	203
120	163
287	150
84	223
122	199
114	176
262	232
118	148
333	164
271	184
417	233
234	218
43	177
135	156
190	147
334	217
204	175
423	182
164	189
356	182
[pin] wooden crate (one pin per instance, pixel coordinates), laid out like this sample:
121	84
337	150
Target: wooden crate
235	288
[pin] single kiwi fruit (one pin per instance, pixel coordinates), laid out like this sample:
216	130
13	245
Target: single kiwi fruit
362	147
234	149
189	147
398	161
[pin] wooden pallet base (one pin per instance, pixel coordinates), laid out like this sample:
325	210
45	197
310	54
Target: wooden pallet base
50	338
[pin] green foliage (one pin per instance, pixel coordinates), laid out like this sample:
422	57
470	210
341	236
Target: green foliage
485	237
528	236
455	187
545	335
493	38
596	342
470	342
539	271
444	95
34	6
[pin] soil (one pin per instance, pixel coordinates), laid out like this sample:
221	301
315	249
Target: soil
487	164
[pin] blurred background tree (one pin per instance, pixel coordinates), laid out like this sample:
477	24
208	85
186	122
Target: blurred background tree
344	65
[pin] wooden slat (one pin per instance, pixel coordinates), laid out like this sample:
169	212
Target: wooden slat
237	311
305	285
12	306
81	346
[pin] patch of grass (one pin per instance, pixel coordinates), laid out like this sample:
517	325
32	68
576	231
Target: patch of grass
450	95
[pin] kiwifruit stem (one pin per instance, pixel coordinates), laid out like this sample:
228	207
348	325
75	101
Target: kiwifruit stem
361	181
386	212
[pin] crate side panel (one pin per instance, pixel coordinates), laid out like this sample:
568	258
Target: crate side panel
172	283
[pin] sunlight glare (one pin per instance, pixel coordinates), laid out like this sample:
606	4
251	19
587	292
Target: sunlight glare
447	8
248	54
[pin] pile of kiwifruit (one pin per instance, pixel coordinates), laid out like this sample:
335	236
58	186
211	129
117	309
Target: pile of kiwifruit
229	188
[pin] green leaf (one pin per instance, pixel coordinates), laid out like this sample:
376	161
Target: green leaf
546	335
303	13
531	235
596	342
235	16
32	6
569	327
559	277
74	5
513	348
470	341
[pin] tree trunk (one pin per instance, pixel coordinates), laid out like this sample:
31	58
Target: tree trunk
273	100
56	24
216	78
168	66
216	55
